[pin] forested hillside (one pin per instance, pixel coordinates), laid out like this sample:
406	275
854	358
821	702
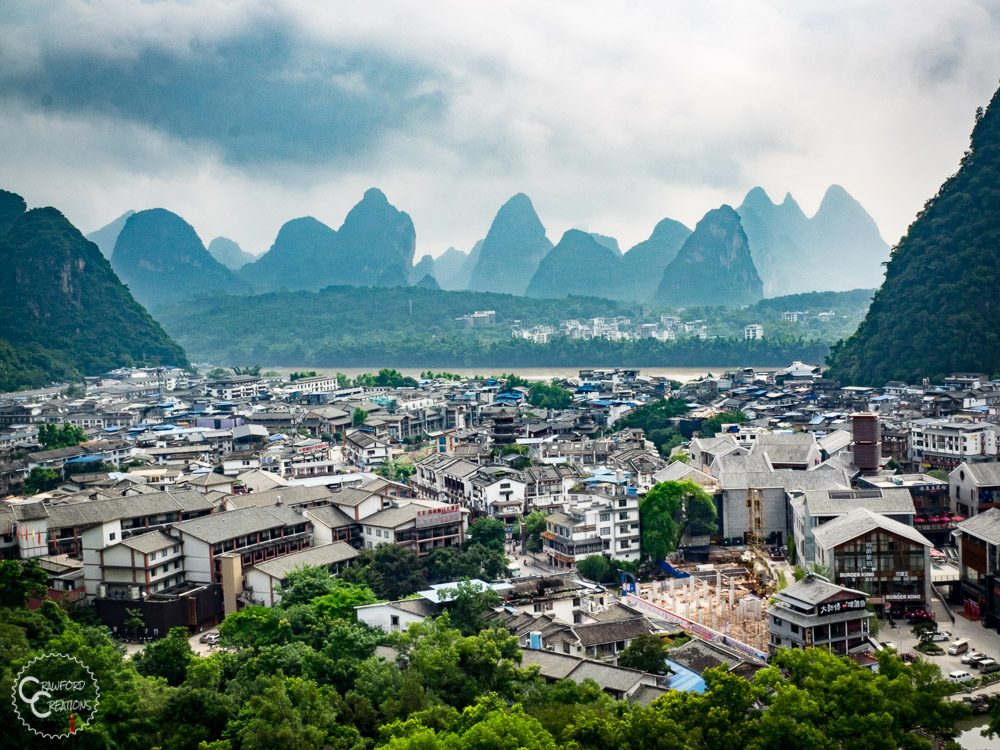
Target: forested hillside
63	312
414	327
936	312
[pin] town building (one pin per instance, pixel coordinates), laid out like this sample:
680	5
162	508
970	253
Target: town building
814	613
886	559
978	541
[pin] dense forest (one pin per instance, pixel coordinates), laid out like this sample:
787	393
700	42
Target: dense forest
64	313
410	327
307	675
935	314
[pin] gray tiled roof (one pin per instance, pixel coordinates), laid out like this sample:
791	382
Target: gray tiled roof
895	500
608	677
288	495
330	516
860	521
146	543
328	554
219	527
986	473
812	591
394	517
985	525
597	633
127	506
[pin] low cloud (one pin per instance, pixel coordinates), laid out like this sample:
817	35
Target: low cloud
611	117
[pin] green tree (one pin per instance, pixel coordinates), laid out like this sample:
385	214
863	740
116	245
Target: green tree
593	567
41	480
467	605
645	652
668	510
254	627
359	416
20	581
938	474
342	599
534	525
490	532
549	395
53	436
305	583
389	570
168	657
396	471
291	712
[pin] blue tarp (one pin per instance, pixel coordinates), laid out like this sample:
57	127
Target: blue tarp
684	679
672	571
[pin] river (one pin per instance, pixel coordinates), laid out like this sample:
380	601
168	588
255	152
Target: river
682	374
970	737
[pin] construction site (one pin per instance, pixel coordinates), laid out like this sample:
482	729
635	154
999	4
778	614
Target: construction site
728	594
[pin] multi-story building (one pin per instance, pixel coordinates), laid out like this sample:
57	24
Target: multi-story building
365	451
753	332
978	541
255	534
593	524
941	444
419	525
974	487
235	387
886	559
813	508
814	613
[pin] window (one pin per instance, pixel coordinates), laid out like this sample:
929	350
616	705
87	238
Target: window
777	621
623	515
605	516
624	543
112	535
394	622
622	503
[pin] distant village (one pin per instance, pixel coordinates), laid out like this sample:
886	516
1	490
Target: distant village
620	328
190	497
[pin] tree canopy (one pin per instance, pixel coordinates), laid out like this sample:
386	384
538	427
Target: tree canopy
670	509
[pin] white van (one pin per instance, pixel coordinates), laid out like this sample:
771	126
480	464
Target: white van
958	647
960	675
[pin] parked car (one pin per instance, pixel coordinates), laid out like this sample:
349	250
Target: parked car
909	657
936	636
989	666
212	636
958	647
978	659
960	675
973	657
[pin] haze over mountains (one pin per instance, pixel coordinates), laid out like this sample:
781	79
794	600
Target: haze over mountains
718	242
839	248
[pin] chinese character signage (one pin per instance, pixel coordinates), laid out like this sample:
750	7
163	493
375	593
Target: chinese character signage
833	608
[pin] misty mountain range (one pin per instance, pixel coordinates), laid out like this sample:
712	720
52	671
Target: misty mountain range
733	256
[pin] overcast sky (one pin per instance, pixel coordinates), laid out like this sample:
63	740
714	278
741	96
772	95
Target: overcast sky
239	116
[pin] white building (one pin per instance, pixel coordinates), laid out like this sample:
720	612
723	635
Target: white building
593	525
753	332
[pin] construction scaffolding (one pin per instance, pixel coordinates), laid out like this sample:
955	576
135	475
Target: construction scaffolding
723	599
